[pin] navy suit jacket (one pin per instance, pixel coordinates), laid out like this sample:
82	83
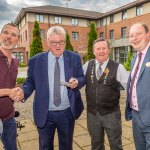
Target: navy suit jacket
37	79
143	91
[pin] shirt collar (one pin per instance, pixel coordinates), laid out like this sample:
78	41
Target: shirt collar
104	63
146	49
54	57
1	54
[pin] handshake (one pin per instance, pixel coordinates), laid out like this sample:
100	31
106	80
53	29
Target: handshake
16	94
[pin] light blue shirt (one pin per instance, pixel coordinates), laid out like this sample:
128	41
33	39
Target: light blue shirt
64	93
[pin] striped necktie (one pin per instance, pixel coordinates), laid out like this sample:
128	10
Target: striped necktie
134	76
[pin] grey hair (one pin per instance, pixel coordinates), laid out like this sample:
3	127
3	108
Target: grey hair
101	40
56	30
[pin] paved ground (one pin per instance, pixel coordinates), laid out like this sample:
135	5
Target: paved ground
28	137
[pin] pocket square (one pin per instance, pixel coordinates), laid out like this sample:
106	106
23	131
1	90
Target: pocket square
148	64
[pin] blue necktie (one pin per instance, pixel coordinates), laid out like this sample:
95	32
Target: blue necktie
57	95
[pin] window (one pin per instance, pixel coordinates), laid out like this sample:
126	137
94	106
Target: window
124	15
124	32
139	10
89	22
111	34
75	22
75	36
42	33
116	52
101	22
121	54
39	18
19	56
111	18
58	20
101	35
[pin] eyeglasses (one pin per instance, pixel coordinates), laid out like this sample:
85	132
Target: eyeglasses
53	43
135	35
11	34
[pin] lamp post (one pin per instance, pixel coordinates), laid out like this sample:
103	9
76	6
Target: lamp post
67	3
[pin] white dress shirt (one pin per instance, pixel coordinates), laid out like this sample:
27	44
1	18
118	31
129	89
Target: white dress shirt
122	74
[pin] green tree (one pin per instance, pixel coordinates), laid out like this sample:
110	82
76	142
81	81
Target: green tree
127	64
92	36
36	45
68	43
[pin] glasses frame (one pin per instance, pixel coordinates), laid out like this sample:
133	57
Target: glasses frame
53	43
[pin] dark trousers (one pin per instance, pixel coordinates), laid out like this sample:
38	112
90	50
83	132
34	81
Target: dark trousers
111	124
141	133
9	134
64	122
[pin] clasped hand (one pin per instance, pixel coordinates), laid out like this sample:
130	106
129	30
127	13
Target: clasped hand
16	94
73	83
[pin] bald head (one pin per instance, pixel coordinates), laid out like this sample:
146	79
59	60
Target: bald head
139	36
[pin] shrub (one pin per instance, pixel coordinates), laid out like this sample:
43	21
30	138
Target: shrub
128	61
20	81
21	64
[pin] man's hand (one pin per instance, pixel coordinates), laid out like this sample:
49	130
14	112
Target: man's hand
16	94
73	83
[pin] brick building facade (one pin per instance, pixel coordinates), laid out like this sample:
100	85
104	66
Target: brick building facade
113	25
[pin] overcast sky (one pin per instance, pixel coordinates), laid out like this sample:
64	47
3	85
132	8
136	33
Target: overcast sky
9	9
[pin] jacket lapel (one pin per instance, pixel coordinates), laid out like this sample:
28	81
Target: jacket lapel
133	61
44	69
66	65
146	59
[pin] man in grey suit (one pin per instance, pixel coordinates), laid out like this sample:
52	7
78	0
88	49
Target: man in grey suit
138	90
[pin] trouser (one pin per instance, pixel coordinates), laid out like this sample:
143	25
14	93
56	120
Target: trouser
64	122
141	133
111	124
9	134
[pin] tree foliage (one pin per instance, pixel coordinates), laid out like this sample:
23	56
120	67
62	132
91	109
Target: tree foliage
36	45
68	43
127	64
92	36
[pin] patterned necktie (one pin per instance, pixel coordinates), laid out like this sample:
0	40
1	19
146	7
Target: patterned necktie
134	76
99	71
57	95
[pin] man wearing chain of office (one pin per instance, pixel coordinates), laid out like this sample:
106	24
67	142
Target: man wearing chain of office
103	79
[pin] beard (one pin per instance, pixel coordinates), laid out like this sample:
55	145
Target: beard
7	45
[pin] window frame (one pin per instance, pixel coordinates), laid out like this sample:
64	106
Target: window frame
74	21
111	18
124	32
75	36
39	17
111	34
58	20
124	14
139	10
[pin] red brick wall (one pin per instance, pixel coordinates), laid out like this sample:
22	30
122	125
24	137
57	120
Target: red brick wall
124	23
81	44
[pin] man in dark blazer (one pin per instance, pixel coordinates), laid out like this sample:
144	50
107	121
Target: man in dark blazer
50	115
138	90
